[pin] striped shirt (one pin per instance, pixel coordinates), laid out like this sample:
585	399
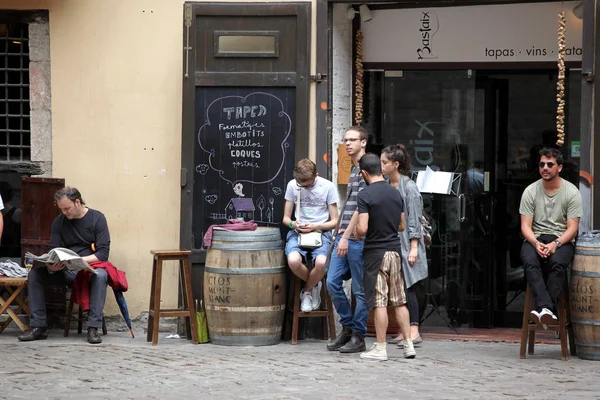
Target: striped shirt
355	184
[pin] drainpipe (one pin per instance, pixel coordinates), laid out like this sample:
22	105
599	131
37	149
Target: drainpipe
590	117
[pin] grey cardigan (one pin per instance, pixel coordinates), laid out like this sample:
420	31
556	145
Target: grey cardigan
413	208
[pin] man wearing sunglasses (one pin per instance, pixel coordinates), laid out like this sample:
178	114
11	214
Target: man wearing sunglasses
550	211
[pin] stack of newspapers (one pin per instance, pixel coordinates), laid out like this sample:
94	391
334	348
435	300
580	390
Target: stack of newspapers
71	260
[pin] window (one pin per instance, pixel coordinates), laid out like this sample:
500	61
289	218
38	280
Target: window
246	44
15	132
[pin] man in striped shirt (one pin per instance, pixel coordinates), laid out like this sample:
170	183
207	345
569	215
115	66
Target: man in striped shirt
347	260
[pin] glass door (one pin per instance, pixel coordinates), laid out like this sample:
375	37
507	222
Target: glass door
440	116
485	128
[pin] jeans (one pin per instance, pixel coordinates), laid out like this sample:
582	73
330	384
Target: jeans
38	278
413	305
338	269
546	291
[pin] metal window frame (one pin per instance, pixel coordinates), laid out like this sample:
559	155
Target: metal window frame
15	135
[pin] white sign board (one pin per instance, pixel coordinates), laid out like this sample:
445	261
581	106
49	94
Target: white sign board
488	33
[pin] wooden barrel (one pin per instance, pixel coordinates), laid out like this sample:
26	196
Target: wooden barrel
245	287
584	296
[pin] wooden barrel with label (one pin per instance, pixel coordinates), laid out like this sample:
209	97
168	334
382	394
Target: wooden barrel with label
584	296
245	287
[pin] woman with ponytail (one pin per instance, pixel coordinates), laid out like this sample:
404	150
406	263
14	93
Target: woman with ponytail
395	164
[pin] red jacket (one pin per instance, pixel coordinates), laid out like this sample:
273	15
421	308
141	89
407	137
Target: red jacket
81	287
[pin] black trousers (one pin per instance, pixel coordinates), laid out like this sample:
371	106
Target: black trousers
546	277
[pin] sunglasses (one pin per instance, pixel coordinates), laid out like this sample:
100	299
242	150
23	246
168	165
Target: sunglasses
307	185
550	164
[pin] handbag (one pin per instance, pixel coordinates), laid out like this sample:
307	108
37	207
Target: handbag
311	240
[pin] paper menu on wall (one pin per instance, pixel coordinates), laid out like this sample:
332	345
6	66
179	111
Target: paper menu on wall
430	181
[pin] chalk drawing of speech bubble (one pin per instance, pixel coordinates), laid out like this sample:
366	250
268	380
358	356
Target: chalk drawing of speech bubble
202	168
211	198
243	135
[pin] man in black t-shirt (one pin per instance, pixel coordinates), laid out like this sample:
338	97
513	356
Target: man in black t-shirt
380	217
85	231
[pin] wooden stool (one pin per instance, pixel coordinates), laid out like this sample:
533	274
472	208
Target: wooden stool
79	319
14	286
528	328
297	314
187	311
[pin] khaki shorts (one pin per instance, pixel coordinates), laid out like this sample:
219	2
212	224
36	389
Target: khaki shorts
389	289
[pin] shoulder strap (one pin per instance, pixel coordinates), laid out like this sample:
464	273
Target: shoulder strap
297	208
337	227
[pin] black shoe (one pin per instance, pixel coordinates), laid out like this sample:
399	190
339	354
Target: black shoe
34	333
340	340
355	345
93	336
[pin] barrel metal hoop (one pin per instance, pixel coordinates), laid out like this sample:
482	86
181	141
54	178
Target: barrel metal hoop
246	234
586	274
256	246
246	340
585	322
590	251
588	344
245	271
244	309
246	239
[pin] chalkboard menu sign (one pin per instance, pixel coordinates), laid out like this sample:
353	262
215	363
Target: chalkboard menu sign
244	155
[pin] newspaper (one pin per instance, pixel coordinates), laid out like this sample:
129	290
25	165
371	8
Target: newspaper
71	260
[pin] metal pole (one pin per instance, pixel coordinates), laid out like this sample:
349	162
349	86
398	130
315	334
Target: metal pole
590	116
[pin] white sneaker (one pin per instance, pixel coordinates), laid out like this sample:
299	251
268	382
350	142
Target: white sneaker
409	349
377	352
535	317
547	317
306	301
316	296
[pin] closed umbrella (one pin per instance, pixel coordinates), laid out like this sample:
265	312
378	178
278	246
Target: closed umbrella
124	310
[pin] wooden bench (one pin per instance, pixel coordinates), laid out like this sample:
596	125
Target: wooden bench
14	286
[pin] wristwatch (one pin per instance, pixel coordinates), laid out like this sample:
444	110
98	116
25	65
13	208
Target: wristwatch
558	243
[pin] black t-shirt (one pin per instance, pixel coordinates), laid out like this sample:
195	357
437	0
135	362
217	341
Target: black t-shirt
385	207
79	234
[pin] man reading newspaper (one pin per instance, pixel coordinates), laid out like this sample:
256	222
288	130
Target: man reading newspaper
84	231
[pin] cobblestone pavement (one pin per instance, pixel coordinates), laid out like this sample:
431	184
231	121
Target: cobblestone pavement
125	368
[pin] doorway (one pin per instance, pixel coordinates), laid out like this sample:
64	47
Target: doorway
484	126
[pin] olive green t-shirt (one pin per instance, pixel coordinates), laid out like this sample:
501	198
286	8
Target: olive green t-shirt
550	213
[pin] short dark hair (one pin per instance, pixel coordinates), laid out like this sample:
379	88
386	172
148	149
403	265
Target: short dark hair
362	132
70	193
371	164
552	153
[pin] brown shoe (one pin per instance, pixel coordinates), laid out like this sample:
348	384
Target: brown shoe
93	336
340	340
35	333
355	345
